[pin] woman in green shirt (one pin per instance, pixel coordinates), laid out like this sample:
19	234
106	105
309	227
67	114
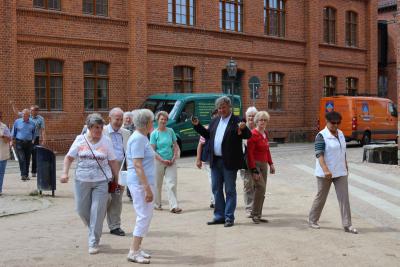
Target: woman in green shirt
163	140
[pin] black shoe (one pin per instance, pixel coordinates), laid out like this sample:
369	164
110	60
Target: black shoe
118	232
228	224
215	222
24	178
212	206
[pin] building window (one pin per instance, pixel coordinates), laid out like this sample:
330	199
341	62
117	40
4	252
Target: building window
382	85
329	25
47	4
351	28
351	86
181	12
183	79
96	80
95	7
275	89
231	15
49	84
329	86
274	17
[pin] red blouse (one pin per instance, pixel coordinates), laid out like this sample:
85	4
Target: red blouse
258	149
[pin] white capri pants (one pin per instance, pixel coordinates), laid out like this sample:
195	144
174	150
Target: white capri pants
143	209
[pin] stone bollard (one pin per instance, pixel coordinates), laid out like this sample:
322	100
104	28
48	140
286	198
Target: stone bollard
385	154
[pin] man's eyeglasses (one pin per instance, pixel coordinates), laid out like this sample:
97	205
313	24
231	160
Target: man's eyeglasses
335	122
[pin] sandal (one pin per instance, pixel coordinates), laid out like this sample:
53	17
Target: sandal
350	229
176	210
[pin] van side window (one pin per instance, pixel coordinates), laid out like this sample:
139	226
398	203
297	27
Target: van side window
392	110
187	112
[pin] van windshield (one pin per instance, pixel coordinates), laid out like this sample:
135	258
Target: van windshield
156	105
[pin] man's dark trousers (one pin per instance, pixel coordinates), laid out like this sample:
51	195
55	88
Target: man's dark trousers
24	151
35	143
224	209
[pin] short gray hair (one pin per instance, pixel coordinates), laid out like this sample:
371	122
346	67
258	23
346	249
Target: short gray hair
115	110
223	100
141	117
128	114
94	118
251	110
261	115
161	113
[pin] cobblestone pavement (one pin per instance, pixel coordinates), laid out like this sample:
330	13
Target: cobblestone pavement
53	235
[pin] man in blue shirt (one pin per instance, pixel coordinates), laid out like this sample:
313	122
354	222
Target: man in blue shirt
23	134
40	134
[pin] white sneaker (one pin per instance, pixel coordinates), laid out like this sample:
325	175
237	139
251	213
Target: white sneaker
313	225
93	250
137	257
144	254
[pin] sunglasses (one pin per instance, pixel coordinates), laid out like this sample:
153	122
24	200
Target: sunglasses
335	122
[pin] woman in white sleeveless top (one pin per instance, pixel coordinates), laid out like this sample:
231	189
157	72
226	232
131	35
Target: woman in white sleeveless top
331	167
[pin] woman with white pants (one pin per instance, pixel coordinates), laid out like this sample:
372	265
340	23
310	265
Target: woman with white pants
141	181
163	140
96	165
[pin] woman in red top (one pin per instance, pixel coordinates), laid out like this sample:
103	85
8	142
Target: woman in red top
258	159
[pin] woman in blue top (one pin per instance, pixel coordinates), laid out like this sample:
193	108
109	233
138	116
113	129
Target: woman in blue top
163	140
141	180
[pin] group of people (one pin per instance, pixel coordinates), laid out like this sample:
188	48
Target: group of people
101	151
27	132
227	145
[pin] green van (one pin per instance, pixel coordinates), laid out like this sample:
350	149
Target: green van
181	108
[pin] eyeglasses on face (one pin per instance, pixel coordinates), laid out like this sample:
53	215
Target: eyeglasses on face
262	120
335	122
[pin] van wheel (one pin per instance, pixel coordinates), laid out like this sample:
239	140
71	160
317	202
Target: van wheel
366	140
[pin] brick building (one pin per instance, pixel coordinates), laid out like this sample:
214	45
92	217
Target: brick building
73	57
387	49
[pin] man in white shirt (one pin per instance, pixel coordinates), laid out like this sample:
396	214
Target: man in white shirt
119	137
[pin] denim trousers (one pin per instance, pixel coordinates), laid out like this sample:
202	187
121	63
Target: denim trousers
24	151
3	164
91	205
223	177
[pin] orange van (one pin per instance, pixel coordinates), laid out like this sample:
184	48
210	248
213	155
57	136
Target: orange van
363	118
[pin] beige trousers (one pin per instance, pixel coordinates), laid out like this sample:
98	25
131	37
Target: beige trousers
167	174
342	193
259	189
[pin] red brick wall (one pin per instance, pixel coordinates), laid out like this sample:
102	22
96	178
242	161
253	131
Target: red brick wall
142	48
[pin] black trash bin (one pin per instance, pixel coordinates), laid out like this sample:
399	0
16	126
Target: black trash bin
46	169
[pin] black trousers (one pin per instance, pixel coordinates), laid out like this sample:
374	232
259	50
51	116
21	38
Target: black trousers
34	164
24	151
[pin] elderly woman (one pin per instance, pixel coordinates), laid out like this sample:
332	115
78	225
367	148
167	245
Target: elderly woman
5	138
128	121
163	140
258	159
95	167
331	167
141	181
248	185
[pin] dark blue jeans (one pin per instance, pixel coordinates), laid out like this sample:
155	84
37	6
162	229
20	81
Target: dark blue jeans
34	164
220	176
24	151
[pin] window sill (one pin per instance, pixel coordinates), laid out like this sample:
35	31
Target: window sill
354	48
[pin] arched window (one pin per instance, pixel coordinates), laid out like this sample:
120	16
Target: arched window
49	84
183	79
329	25
231	15
47	4
275	89
182	12
351	86
274	17
96	85
329	85
351	28
95	7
